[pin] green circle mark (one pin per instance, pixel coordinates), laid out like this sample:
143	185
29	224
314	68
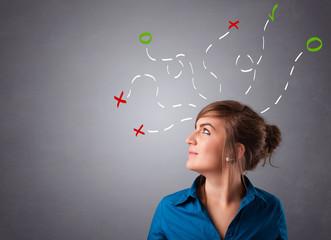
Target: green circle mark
314	49
143	35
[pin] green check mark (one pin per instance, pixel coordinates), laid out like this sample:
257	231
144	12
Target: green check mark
273	11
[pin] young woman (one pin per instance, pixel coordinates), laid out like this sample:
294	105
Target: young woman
229	139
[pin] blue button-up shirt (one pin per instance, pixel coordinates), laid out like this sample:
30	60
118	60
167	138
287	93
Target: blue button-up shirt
182	215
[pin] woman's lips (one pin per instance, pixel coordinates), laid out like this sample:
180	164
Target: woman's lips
192	153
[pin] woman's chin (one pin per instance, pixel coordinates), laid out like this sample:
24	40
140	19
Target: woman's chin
191	166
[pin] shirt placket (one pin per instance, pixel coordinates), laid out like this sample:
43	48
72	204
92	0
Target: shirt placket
214	232
231	229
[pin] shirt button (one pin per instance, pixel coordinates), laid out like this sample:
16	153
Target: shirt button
230	234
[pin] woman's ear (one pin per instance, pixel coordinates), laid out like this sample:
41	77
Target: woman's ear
240	150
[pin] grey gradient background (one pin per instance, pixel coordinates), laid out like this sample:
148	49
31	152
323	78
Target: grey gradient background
71	166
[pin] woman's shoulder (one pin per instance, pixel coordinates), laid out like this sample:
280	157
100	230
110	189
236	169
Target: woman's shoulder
181	196
176	197
271	199
267	197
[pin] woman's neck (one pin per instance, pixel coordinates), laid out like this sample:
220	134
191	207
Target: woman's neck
218	190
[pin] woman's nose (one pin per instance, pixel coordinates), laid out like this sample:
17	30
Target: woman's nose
190	139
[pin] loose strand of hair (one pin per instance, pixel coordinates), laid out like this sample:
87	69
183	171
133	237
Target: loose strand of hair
265	158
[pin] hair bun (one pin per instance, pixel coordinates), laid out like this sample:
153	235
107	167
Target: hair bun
273	137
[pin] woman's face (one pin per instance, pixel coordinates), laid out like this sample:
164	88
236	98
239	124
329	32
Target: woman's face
206	145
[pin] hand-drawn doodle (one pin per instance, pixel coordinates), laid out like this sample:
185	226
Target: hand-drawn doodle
233	24
181	59
120	100
138	131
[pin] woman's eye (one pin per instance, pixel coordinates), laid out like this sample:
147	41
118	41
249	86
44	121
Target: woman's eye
206	131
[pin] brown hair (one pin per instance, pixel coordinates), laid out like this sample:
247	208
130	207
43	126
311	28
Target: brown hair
243	125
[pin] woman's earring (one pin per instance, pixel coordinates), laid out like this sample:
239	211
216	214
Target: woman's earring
230	159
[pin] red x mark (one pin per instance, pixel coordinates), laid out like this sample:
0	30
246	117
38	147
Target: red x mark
138	131
233	24
119	99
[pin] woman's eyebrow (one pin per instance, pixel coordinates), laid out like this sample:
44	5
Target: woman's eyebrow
204	124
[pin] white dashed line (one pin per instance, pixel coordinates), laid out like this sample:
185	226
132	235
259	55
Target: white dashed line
278	99
213	75
286	86
148	75
265	110
291	71
135	78
248	70
178	75
202	96
265	26
180	55
129	94
248	89
250	58
259	60
153	131
193	83
298	56
160	105
178	105
237	60
191	67
153	59
185	119
223	35
209	47
166	129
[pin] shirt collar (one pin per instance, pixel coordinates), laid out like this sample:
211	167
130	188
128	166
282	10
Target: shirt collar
250	195
191	192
